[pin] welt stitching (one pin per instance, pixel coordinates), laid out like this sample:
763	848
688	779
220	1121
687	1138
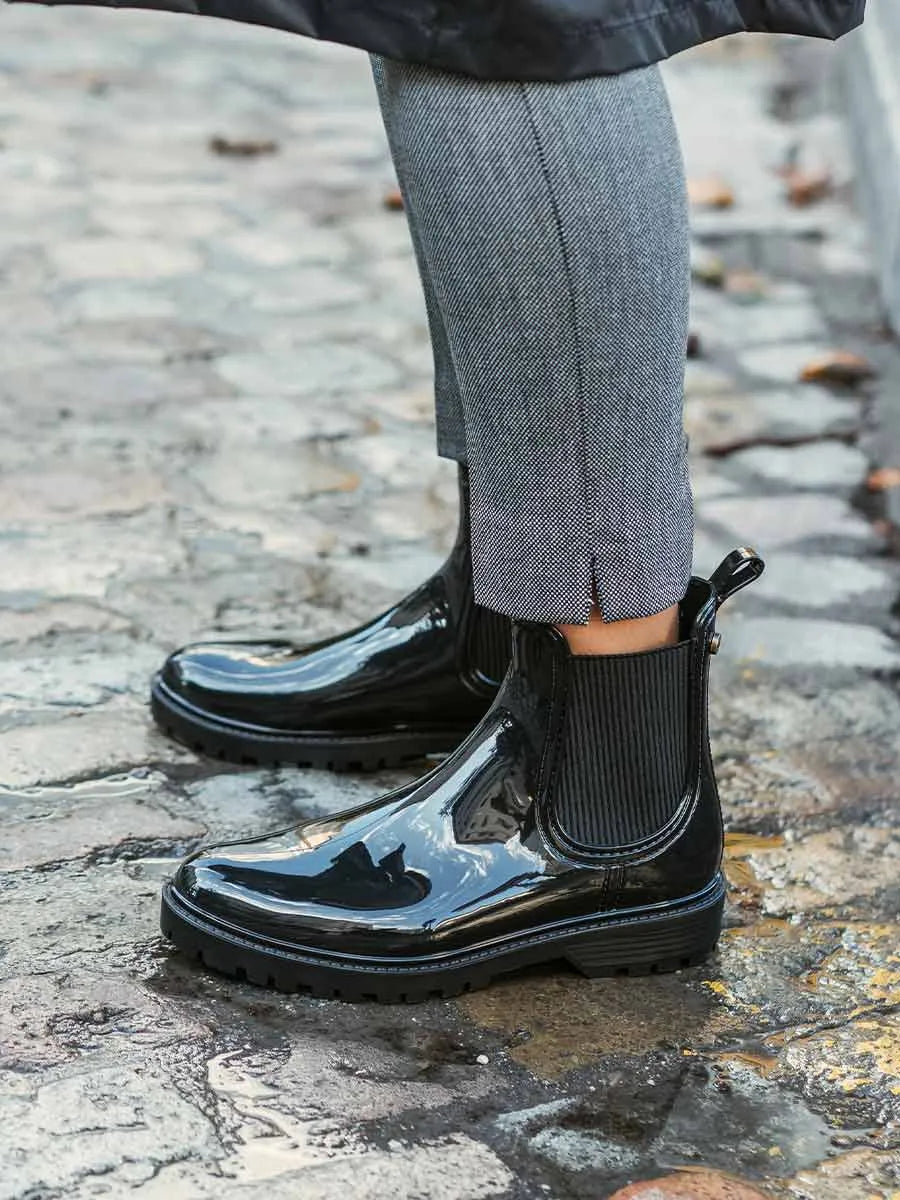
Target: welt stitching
699	903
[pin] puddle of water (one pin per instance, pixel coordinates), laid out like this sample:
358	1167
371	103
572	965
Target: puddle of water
745	1121
154	870
270	1142
115	817
112	788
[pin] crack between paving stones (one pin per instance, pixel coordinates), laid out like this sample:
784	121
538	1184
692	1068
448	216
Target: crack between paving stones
725	450
129	850
801	1031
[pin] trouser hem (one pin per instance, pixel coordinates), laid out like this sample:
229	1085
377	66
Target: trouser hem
452	450
577	610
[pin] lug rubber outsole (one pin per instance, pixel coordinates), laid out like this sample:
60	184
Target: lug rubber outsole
249	745
639	942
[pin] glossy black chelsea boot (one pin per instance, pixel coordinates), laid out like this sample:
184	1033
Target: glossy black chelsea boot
579	821
413	682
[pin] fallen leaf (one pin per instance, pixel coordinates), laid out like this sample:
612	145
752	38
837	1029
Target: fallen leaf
348	482
803	188
741	877
707	268
838	367
242	148
764	1064
883	478
771	927
742	844
747	287
393	200
691	1183
710	193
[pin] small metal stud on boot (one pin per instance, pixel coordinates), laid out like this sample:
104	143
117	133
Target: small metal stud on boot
411	683
580	821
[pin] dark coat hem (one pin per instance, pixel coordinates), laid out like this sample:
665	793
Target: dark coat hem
585	48
476	41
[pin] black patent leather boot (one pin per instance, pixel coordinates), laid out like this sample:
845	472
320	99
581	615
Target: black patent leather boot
411	683
580	821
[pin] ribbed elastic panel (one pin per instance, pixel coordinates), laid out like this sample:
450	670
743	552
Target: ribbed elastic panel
490	645
624	746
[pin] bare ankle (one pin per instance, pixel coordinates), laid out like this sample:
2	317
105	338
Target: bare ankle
622	637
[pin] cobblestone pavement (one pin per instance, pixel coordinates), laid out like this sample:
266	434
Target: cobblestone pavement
216	417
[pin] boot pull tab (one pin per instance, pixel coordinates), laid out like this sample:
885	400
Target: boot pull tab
742	566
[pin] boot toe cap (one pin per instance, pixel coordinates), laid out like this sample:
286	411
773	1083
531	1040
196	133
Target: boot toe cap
221	678
237	883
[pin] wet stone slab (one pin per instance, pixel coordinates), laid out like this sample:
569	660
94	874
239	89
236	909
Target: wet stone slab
720	420
821	465
216	401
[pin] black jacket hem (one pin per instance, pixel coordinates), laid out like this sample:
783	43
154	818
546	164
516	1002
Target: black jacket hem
534	43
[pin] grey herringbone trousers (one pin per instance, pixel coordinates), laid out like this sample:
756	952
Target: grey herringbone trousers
550	227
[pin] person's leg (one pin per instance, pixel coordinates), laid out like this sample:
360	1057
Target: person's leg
580	818
552	225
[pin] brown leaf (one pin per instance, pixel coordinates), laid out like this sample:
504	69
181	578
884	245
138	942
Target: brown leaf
739	845
763	1064
393	200
349	481
741	876
803	188
883	479
691	1183
242	148
710	193
707	268
838	367
745	286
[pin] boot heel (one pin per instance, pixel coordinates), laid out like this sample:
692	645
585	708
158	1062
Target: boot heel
652	944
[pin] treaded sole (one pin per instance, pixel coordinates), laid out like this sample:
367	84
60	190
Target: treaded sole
249	746
639	943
